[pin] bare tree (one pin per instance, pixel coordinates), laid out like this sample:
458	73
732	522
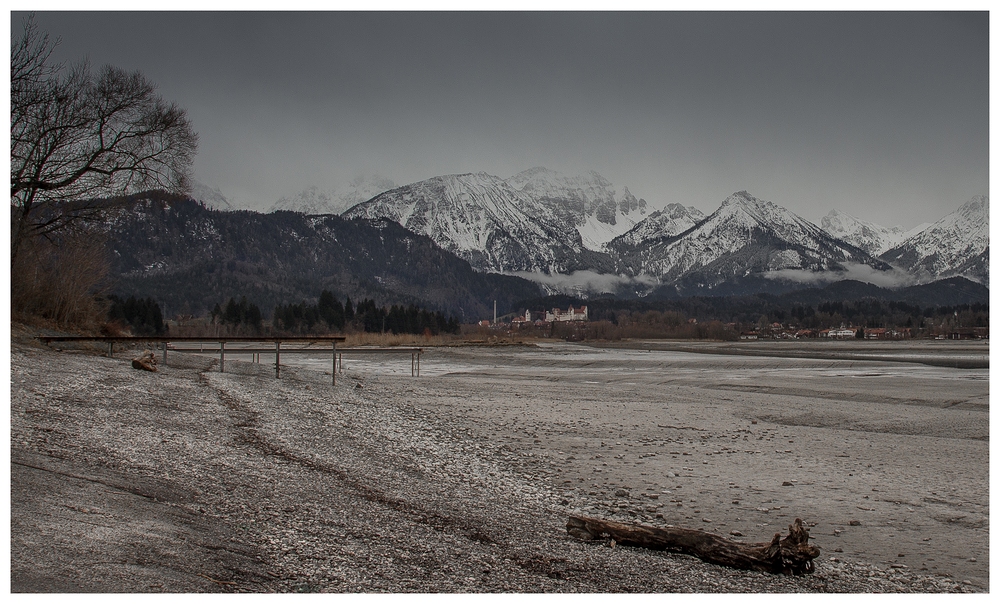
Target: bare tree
76	136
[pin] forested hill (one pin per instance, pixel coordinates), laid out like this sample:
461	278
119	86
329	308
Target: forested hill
190	258
854	302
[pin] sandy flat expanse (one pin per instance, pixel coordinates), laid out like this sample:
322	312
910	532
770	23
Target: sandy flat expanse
890	460
193	480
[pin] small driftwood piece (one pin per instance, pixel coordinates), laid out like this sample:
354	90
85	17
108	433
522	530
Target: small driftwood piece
147	361
791	556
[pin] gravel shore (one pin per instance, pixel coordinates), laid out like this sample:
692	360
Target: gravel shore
461	480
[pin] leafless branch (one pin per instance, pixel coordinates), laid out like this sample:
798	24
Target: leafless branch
75	136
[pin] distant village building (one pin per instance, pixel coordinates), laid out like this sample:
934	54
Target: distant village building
842	333
571	314
969	333
880	333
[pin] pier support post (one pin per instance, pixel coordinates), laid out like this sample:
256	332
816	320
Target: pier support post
277	359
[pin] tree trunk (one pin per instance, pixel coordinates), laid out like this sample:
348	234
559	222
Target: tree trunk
146	362
791	556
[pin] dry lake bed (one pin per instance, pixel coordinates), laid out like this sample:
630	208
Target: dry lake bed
889	458
461	479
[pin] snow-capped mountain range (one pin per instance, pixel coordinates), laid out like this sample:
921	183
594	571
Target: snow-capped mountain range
543	223
744	236
499	225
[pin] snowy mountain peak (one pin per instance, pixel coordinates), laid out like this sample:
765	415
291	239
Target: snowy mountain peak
538	172
309	201
872	238
956	245
672	220
588	202
976	208
483	219
743	203
211	197
743	210
745	236
742	199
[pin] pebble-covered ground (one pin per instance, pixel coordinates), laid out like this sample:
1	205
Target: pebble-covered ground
191	480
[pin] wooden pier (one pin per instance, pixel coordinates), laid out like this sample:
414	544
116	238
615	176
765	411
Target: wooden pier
251	345
414	355
243	345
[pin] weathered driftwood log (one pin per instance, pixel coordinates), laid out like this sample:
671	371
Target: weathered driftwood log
147	361
791	556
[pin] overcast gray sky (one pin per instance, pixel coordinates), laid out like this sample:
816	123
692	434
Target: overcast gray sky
880	115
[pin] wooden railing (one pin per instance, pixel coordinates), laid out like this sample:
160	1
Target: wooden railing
167	342
244	345
414	355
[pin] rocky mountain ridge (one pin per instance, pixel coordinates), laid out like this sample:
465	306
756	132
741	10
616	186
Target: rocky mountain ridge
488	222
542	223
745	236
956	245
189	257
585	235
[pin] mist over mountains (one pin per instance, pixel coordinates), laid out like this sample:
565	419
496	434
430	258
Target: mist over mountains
313	200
